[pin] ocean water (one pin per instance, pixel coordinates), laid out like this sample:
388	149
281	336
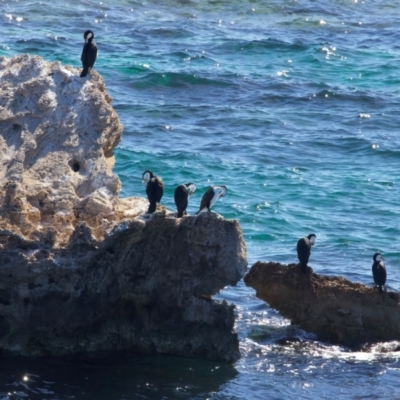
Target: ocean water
294	106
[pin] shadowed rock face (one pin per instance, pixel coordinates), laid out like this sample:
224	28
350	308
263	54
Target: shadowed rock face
333	308
141	289
81	269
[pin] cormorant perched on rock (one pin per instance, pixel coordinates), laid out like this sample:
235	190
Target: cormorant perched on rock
211	196
181	197
89	53
379	271
154	189
304	250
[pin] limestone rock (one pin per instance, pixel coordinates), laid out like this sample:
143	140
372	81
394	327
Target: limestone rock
57	135
332	307
145	288
80	268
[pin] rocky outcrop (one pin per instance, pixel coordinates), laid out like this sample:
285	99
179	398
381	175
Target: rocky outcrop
332	307
58	132
80	268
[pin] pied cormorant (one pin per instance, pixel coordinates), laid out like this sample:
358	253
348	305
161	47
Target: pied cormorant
211	196
154	189
89	53
304	250
181	197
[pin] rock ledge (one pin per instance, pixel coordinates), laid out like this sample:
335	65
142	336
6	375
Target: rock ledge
335	309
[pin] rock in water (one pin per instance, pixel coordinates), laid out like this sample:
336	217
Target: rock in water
80	269
332	307
57	138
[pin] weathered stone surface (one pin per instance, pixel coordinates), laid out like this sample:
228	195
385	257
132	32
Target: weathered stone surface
57	135
332	307
80	268
141	288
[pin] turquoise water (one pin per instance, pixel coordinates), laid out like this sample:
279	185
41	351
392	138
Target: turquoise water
294	106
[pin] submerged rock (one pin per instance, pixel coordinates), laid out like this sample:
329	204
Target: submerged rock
332	307
81	269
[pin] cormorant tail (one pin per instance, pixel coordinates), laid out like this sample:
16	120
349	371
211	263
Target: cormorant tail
180	214
84	72
152	208
304	268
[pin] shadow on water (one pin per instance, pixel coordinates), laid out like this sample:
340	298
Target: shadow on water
111	377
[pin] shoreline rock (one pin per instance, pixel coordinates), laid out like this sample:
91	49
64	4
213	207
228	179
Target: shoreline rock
335	309
139	289
82	270
58	132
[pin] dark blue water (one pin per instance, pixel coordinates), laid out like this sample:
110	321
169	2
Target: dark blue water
294	106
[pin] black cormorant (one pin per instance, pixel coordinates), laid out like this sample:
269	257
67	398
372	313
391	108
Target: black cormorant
379	271
304	250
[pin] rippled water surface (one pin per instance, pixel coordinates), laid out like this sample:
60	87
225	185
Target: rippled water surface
294	106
